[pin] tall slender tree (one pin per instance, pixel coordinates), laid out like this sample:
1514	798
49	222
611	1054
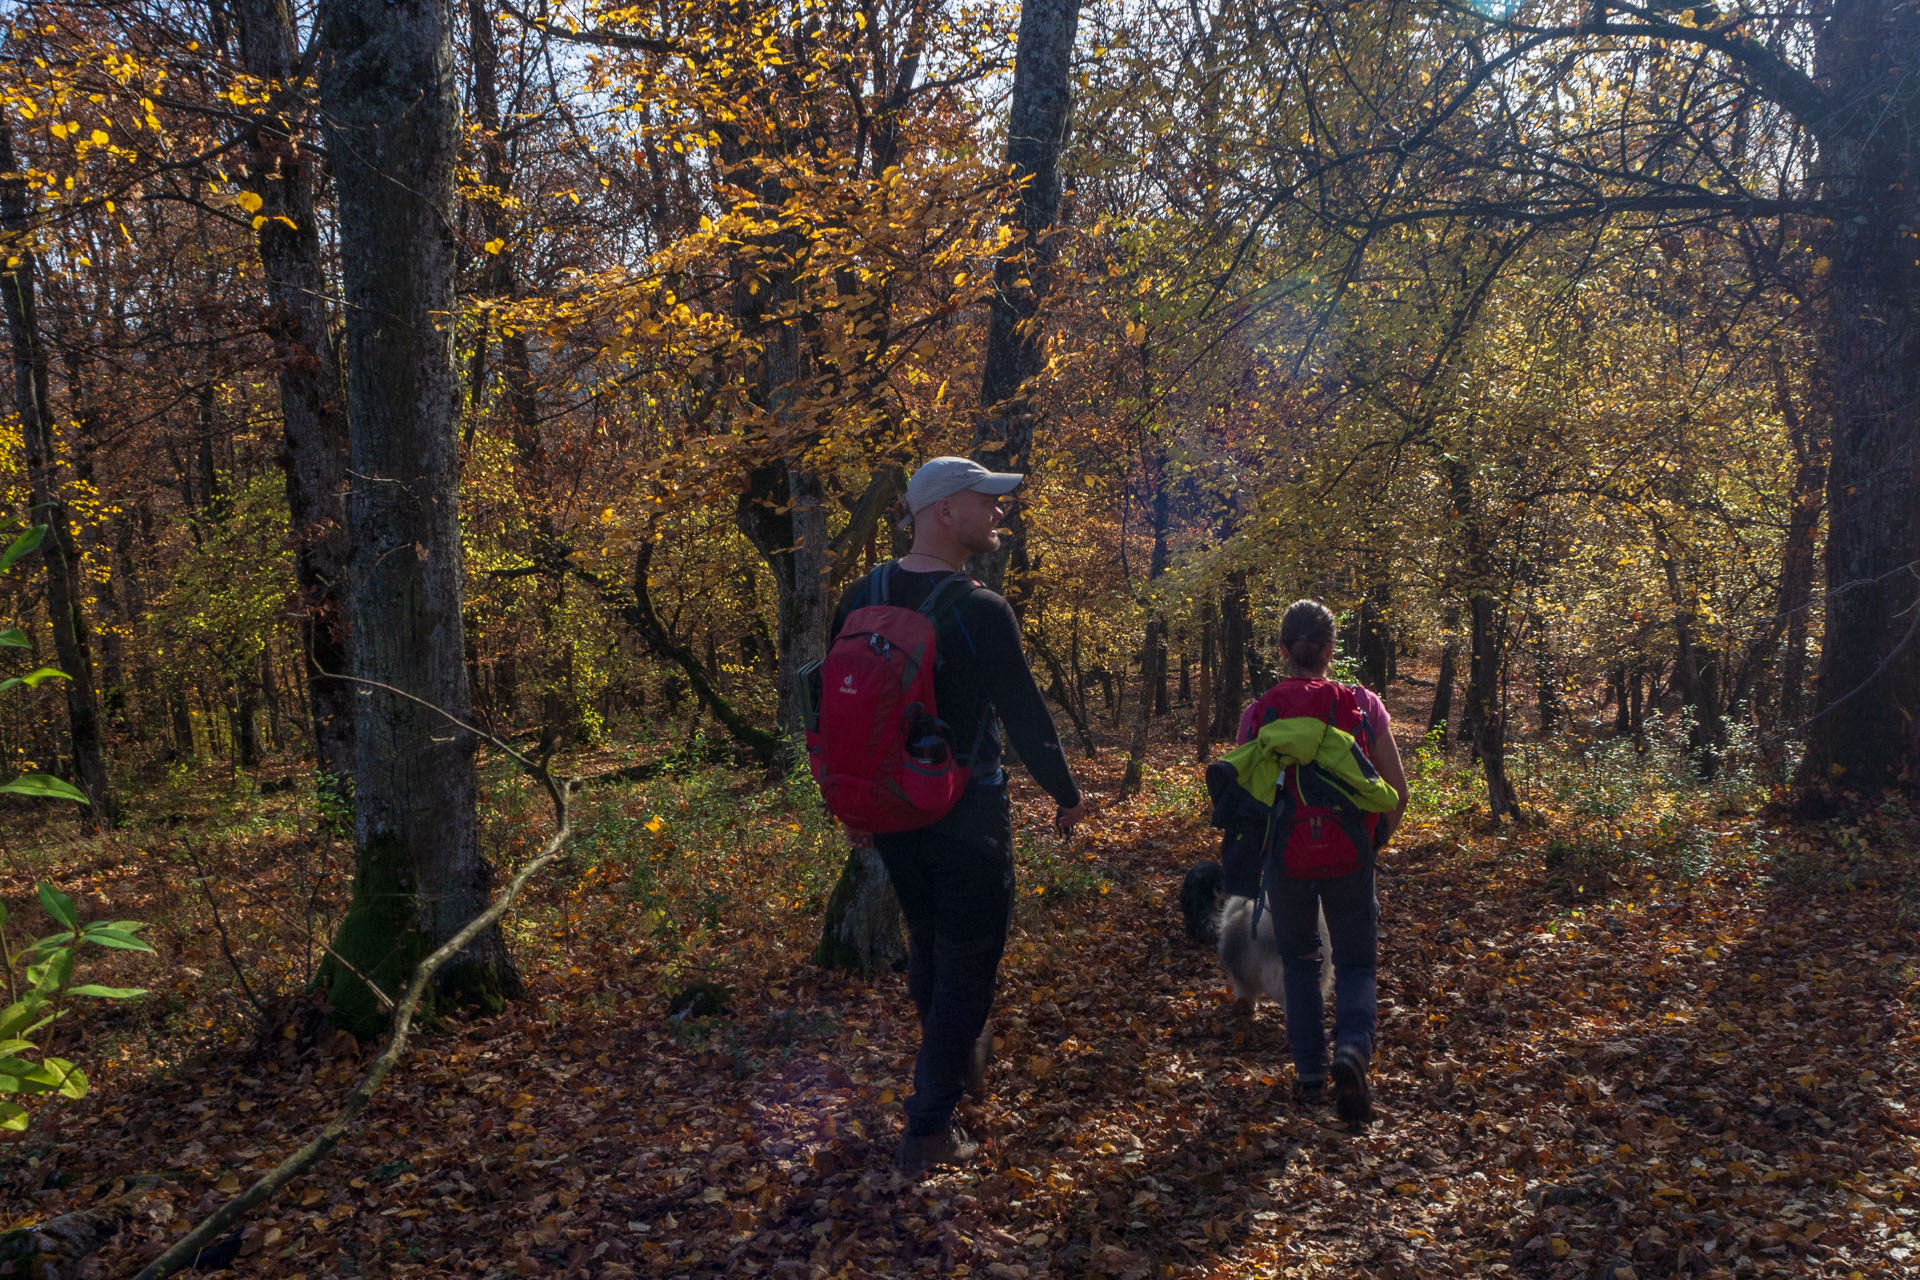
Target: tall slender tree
1866	726
66	593
1036	135
280	172
392	123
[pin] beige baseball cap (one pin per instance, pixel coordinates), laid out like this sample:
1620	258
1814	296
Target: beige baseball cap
943	477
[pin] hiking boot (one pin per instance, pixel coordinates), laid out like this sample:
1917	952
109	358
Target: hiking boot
1352	1099
976	1082
919	1152
1308	1094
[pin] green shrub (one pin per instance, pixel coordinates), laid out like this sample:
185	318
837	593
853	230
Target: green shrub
41	997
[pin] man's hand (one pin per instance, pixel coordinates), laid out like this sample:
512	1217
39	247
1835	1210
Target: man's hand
858	839
1066	819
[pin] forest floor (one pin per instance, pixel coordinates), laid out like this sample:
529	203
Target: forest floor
1652	1032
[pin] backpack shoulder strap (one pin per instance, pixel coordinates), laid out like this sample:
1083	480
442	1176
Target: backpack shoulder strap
934	599
1363	726
939	592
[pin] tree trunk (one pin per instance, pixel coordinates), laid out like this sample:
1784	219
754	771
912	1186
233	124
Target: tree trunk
1443	685
1061	694
1797	554
392	127
1137	748
1153	645
1160	674
1695	676
804	640
246	721
1036	135
782	508
1484	722
313	448
862	930
1484	704
65	584
133	608
1203	702
1077	671
783	513
270	695
111	685
560	718
1546	685
1375	638
180	716
1228	692
1865	732
516	366
1260	675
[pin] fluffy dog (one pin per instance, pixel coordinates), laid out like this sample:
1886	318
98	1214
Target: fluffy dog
1200	899
1253	962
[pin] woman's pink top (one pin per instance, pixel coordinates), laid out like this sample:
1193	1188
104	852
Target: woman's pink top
1370	706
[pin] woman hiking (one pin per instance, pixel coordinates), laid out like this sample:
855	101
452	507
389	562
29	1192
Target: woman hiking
1323	852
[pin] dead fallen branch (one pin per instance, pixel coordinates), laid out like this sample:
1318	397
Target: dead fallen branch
399	1033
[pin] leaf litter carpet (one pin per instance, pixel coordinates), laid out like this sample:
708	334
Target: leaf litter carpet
1630	1077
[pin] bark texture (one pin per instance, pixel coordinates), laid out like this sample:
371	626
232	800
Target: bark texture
862	929
1486	709
1443	684
65	584
1203	697
1036	135
1374	647
1229	689
313	449
1865	733
60	1247
1797	558
392	117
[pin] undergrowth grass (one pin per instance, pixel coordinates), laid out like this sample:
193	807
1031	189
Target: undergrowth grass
689	872
682	865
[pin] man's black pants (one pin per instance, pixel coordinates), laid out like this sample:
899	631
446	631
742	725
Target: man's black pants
954	880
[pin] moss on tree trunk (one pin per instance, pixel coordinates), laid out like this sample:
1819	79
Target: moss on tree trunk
862	929
379	941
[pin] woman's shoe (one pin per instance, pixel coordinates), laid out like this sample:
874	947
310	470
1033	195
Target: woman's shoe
1352	1099
919	1152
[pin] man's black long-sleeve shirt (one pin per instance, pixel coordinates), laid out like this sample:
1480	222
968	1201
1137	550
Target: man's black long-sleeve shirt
979	668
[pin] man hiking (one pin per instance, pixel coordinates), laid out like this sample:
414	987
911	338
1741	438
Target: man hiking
954	876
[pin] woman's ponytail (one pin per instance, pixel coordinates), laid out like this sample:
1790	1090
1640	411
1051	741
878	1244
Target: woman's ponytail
1306	629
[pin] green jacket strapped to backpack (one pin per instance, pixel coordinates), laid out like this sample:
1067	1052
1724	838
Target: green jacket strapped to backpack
1309	740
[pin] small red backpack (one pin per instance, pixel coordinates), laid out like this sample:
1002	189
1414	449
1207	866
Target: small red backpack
884	759
1316	831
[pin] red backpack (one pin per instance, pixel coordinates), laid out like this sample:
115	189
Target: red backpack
883	757
1317	832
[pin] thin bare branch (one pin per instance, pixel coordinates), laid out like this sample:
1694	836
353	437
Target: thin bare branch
322	1143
